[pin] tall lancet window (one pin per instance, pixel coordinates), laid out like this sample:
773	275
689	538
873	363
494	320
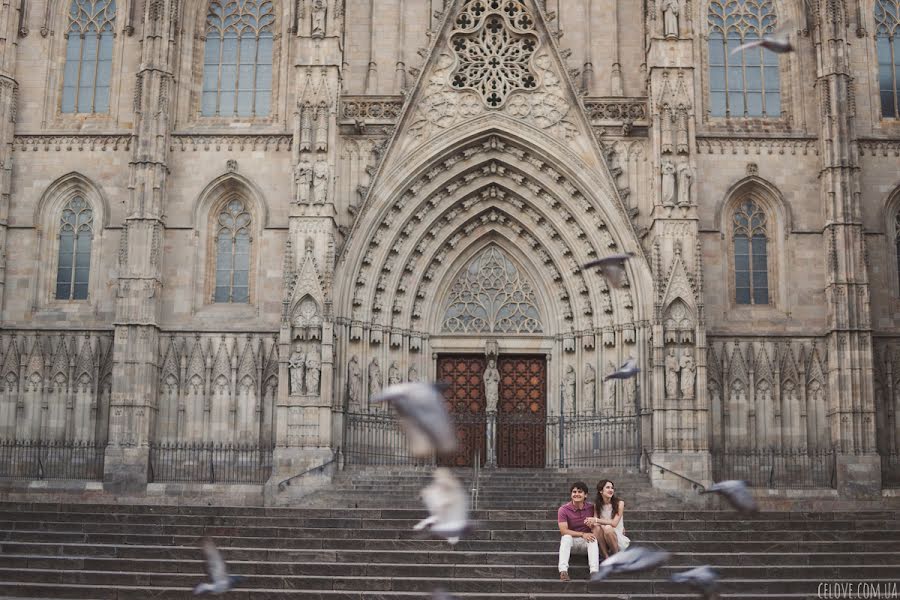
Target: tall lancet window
490	295
887	40
89	47
897	242
237	68
76	233
233	254
751	266
745	84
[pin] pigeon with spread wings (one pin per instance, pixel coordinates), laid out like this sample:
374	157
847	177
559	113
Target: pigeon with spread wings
737	493
448	506
703	579
612	268
628	370
423	414
634	559
221	581
778	42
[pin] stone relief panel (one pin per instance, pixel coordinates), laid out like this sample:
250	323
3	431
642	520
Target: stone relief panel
55	387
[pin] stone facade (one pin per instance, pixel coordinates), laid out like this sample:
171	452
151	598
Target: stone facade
388	164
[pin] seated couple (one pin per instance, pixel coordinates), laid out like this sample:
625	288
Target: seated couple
598	528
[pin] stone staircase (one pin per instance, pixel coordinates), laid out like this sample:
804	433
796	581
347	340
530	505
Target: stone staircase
323	550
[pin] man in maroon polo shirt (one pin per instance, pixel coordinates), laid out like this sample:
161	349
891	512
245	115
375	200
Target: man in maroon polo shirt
570	518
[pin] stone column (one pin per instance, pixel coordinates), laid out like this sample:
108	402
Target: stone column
133	405
851	407
9	89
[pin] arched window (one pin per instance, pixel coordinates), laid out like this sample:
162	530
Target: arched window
897	242
751	268
233	254
237	67
745	84
89	45
76	232
887	40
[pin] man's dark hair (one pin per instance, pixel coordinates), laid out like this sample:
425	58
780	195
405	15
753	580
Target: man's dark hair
580	485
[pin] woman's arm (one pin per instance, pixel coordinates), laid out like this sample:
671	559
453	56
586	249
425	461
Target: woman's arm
616	517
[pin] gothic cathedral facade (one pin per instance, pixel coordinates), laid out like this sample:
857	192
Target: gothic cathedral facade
234	221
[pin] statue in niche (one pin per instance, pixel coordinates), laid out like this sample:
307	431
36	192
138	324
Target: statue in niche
670	18
688	373
491	385
609	402
630	402
682	135
590	386
665	125
353	380
303	177
322	127
569	383
297	367
374	377
668	183
318	18
685	177
393	374
320	182
312	375
671	374
306	117
413	374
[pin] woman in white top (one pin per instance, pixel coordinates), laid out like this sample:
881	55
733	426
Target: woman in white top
608	523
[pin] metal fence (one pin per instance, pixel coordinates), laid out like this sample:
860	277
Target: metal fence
209	463
777	468
594	441
377	438
50	459
890	470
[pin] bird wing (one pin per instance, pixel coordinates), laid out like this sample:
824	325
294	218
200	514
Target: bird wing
743	47
423	406
215	566
628	365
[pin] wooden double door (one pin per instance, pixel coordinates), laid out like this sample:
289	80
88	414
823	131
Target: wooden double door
521	417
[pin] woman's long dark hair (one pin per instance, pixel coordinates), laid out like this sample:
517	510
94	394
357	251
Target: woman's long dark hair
614	500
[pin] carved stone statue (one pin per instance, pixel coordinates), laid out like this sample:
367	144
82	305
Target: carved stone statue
629	405
318	18
590	387
668	183
353	380
491	385
670	18
569	382
374	377
312	375
688	372
683	147
296	365
393	374
685	178
320	182
303	177
671	374
413	374
609	401
306	117
666	127
322	127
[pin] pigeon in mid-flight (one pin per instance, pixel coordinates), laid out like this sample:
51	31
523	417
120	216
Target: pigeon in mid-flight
778	42
441	594
612	268
737	493
703	579
423	414
221	581
628	370
635	558
448	507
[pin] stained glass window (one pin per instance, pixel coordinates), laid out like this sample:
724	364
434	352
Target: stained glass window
751	270
237	65
233	254
745	84
492	296
76	232
887	41
89	46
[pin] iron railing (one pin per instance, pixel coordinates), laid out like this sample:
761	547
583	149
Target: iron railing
51	459
612	442
377	438
209	463
890	470
776	468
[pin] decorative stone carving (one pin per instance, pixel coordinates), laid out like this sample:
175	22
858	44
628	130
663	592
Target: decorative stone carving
318	18
491	379
393	374
375	380
569	383
320	182
303	179
688	372
354	374
590	387
685	180
413	374
670	18
297	367
672	368
668	183
312	375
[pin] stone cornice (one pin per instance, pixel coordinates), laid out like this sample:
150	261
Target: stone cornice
607	111
229	143
370	109
70	143
875	147
757	145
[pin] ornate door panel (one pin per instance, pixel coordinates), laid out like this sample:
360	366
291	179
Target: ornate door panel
522	411
465	401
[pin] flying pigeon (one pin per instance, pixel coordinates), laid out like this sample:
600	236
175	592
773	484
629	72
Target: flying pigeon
423	415
737	493
448	505
628	370
612	267
778	42
635	558
215	567
441	594
705	579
